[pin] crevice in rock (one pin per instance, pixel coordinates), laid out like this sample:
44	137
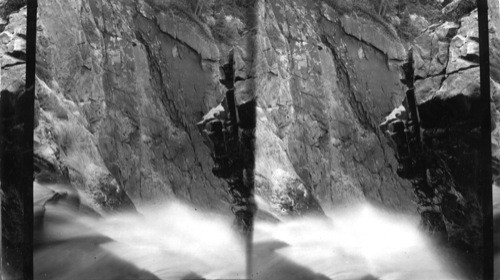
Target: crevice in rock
474	58
7	66
17	54
346	85
335	4
462	69
386	55
156	72
445	74
160	86
442	73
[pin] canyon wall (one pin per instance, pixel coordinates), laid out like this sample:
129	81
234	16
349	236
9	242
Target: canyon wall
121	85
124	83
325	79
446	173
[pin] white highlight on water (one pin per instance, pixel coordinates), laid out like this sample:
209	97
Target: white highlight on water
357	242
176	240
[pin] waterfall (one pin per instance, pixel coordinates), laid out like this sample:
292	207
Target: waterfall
179	241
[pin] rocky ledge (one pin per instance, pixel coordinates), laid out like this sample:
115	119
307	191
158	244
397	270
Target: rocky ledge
445	172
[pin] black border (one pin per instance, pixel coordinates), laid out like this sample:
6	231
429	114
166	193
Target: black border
17	157
485	181
26	106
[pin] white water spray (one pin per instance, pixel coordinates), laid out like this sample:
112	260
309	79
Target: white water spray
359	243
180	242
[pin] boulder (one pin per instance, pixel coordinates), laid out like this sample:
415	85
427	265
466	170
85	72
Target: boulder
464	83
458	8
426	89
431	50
419	22
464	47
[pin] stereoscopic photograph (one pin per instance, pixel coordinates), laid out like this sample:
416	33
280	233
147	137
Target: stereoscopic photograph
250	139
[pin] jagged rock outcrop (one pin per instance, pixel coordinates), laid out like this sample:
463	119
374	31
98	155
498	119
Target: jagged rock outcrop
64	147
13	47
446	171
67	78
431	50
456	8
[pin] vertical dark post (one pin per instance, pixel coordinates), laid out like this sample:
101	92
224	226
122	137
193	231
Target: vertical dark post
235	162
12	207
230	134
27	118
485	182
250	126
16	170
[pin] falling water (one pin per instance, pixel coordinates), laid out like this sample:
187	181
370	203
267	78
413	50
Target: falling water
359	243
178	241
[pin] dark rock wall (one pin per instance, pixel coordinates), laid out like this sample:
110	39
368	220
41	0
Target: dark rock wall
13	138
451	121
446	172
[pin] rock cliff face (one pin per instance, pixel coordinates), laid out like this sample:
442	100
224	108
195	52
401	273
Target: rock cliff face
121	85
447	89
325	79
